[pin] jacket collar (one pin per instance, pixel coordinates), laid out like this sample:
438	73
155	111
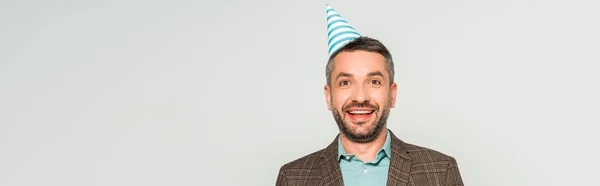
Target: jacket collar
398	173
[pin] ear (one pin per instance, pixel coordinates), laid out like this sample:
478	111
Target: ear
394	90
327	96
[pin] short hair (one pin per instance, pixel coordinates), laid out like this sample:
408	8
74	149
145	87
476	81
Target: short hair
366	44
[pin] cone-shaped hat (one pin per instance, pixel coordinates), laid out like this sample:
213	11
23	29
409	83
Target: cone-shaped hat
339	32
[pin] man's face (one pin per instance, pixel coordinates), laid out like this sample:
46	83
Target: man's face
360	96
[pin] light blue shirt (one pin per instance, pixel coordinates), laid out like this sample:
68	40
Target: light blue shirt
355	172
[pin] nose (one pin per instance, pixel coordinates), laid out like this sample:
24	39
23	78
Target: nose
360	94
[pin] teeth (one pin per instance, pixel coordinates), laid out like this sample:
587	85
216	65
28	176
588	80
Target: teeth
360	112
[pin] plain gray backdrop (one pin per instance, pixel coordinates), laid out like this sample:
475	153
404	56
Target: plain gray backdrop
131	92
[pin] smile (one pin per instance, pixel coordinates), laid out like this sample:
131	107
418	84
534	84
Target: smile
360	116
360	112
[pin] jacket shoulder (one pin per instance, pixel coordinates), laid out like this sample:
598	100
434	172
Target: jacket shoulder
305	162
302	171
430	165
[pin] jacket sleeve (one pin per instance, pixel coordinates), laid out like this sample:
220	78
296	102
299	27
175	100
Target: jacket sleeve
453	177
281	179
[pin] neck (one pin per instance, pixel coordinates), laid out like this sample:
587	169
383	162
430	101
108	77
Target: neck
364	151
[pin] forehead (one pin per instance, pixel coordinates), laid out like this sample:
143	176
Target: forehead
358	63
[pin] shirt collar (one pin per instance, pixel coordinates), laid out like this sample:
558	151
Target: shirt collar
386	148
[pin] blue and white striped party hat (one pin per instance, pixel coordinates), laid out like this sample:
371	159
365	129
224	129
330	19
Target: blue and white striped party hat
339	32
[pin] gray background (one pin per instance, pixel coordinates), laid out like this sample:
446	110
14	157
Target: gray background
131	92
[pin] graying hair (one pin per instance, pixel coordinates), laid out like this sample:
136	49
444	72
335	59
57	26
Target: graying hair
366	44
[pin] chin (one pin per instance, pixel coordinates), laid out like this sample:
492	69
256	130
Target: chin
363	129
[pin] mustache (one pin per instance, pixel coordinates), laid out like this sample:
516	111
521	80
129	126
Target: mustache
357	104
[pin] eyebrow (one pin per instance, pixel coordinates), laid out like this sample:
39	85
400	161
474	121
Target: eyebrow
370	74
377	73
343	74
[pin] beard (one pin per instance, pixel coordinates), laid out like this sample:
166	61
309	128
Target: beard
375	129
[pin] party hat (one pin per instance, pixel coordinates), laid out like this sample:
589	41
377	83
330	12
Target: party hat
339	32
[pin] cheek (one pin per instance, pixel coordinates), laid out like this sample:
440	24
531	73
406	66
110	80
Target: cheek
380	96
339	99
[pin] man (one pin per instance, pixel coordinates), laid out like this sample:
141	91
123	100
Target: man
360	92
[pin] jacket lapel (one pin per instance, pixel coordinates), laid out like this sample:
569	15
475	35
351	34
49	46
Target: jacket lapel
400	163
330	168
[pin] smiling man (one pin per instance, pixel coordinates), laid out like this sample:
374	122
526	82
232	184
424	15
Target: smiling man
360	91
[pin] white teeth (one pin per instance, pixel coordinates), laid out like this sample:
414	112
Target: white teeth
360	112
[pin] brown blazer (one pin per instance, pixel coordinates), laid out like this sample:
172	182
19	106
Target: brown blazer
410	165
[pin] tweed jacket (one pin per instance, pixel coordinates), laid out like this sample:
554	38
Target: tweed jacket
411	165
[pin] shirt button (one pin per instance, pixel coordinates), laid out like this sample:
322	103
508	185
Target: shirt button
365	171
348	157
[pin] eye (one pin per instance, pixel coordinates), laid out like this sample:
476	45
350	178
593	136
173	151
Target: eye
375	82
344	83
